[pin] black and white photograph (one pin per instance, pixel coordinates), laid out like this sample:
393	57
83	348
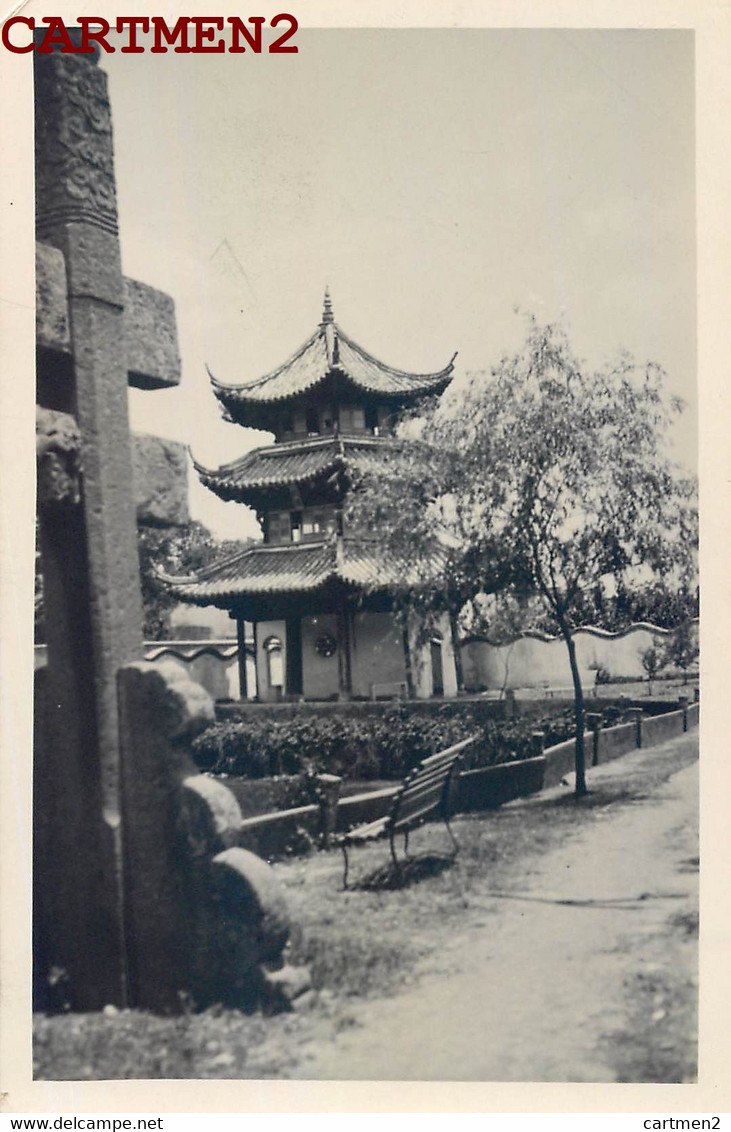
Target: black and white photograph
366	688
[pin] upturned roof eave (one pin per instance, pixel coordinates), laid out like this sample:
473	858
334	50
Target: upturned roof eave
248	394
229	480
357	573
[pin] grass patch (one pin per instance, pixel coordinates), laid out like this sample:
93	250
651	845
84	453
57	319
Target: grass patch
357	943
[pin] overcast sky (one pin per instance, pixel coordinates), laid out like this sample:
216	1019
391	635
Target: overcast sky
434	179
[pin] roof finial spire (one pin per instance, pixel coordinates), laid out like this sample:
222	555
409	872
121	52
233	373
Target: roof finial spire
327	308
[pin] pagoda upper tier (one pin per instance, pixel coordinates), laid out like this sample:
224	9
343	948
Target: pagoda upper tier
330	368
261	476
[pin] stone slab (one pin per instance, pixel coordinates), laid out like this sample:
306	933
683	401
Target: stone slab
150	337
150	329
160	479
58	457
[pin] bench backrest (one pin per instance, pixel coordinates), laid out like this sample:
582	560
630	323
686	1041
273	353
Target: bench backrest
426	787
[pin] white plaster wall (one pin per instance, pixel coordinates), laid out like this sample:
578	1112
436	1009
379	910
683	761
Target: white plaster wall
266	629
529	662
377	654
319	673
232	677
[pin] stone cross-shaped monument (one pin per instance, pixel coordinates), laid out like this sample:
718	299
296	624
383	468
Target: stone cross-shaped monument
96	332
141	891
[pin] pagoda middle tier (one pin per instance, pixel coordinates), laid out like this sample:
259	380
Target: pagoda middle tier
296	472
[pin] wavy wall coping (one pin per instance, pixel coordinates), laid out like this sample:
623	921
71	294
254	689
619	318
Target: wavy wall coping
590	630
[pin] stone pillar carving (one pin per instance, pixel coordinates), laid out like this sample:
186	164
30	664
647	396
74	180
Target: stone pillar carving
89	553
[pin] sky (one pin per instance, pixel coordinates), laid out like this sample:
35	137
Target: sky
436	180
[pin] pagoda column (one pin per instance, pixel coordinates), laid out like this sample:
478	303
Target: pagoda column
241	638
293	674
345	676
254	628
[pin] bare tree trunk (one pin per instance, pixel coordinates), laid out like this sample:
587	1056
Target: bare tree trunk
580	787
457	650
503	690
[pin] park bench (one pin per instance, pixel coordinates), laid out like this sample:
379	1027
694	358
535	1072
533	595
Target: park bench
425	789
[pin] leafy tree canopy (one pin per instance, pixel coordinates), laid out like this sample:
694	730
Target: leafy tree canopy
175	550
178	551
543	477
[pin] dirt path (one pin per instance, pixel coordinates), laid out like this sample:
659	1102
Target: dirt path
587	975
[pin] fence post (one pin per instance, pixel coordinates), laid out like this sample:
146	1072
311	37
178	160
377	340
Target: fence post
328	795
683	704
594	722
635	714
537	741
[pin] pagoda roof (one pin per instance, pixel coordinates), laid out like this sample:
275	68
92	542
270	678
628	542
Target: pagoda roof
329	351
302	568
293	462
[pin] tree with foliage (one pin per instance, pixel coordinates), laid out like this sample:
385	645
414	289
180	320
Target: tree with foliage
546	477
651	659
177	550
682	649
174	550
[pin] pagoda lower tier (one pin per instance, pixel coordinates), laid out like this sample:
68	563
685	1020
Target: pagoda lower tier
323	622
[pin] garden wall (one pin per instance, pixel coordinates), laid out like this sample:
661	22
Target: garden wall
212	663
536	659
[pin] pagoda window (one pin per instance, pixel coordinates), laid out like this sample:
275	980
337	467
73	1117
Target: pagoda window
385	417
371	419
327	419
279	527
352	418
275	662
312	421
300	423
317	522
287	429
296	526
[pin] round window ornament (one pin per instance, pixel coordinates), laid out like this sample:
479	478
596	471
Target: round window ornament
326	645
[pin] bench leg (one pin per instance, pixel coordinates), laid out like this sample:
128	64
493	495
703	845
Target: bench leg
406	843
394	858
345	871
454	839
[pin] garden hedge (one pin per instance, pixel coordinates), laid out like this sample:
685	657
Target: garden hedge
383	747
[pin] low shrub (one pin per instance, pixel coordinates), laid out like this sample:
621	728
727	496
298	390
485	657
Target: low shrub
384	747
367	747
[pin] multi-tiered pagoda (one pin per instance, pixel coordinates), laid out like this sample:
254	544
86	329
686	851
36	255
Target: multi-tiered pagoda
315	592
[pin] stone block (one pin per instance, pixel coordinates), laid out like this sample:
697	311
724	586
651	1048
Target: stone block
52	309
150	337
58	457
248	890
289	988
210	816
158	709
202	914
160	480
